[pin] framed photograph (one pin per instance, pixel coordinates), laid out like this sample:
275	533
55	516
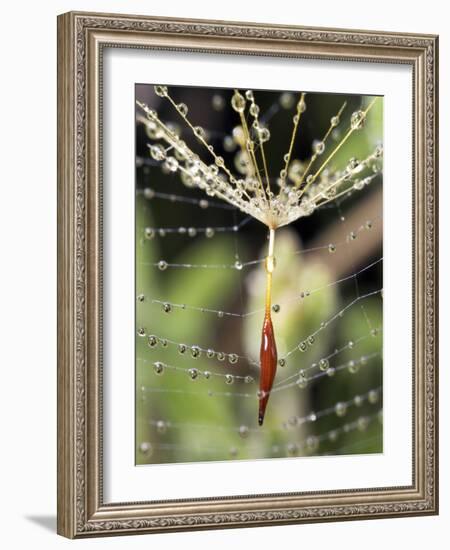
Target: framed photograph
247	287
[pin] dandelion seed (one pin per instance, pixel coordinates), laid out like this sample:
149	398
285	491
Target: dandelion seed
302	187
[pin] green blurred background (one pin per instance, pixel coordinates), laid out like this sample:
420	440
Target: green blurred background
183	420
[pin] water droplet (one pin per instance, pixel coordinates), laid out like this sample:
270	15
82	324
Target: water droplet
207	374
340	409
353	367
373	397
171	164
195	352
149	193
167	308
160	91
233	452
276	308
254	110
369	224
192	232
287	100
182	348
161	426
182	230
182	109
358	400
282	362
243	431
233	358
213	169
238	265
336	134
220	356
238	102
229	378
351	344
152	341
357	120
192	167
248	379
374	332
164	343
334	121
301	106
312	417
319	147
193	374
149	233
302	381
333	435
220	162
324	364
331	372
220	314
353	163
210	353
312	443
141	298
264	135
200	132
146	448
229	144
311	340
141	331
157	152
209	232
162	265
158	367
362	423
218	102
302	346
162	232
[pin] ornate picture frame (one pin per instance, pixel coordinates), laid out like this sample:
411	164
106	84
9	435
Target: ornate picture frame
82	39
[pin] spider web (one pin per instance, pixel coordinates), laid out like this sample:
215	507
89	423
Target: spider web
200	301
